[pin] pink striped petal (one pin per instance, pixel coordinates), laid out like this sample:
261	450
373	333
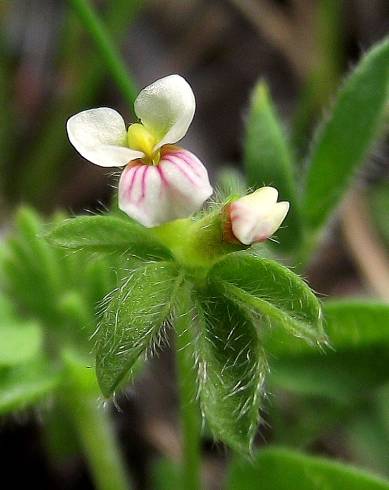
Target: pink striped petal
175	188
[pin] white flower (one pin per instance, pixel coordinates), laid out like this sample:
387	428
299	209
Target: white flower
161	182
255	217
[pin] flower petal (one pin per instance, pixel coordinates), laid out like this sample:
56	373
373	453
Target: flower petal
262	199
257	216
279	212
100	136
176	188
166	108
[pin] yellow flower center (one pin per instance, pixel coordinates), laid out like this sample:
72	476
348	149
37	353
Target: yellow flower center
139	138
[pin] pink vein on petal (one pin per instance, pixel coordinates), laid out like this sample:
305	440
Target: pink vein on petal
130	186
168	159
193	164
162	175
142	196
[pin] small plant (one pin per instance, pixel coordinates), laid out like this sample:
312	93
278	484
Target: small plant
212	276
84	300
200	275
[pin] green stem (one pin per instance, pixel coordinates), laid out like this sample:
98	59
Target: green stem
96	436
189	410
106	47
93	426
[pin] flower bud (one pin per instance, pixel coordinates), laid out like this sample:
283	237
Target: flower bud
256	217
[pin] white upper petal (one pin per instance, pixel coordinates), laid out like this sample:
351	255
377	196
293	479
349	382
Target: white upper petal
261	200
166	108
255	217
100	136
176	188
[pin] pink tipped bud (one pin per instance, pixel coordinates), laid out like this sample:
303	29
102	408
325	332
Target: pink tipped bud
256	217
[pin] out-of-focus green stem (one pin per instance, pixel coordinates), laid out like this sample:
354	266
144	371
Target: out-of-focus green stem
93	426
106	47
97	439
59	437
38	185
189	410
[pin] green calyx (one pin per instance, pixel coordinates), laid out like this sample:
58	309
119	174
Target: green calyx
197	244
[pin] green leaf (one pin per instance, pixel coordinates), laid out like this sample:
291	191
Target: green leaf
57	287
367	442
340	376
359	335
26	385
133	320
357	324
281	469
350	326
379	204
166	475
346	135
266	288
30	226
268	161
34	273
19	342
303	421
107	234
232	367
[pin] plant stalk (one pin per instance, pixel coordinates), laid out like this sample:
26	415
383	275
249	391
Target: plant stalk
106	47
94	427
189	409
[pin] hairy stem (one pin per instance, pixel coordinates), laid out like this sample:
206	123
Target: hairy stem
189	410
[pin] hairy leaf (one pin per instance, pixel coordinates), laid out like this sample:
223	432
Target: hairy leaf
274	292
107	234
232	367
133	319
282	469
346	135
268	161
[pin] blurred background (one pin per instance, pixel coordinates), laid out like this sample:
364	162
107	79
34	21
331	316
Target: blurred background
49	70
